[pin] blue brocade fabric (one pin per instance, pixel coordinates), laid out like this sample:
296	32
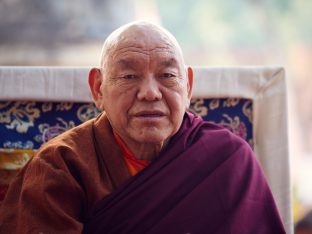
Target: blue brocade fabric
28	124
233	113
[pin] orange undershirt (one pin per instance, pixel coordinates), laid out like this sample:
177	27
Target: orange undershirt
134	165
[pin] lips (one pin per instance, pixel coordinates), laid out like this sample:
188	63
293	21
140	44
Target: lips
149	114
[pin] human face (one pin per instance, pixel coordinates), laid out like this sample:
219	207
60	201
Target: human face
145	89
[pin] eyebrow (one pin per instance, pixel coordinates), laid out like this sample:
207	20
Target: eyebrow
127	64
169	62
130	64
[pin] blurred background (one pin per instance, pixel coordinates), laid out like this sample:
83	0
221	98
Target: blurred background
211	33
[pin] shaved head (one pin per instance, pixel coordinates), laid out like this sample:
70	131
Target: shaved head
141	34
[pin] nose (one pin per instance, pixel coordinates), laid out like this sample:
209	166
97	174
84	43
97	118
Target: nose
149	89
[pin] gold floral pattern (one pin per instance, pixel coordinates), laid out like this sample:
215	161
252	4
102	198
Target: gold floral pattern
37	122
64	106
247	110
18	144
231	102
235	125
87	111
12	159
27	124
214	104
46	106
233	113
198	107
20	116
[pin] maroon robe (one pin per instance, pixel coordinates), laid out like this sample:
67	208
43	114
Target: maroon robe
207	180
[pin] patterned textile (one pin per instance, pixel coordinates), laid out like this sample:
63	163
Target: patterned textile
26	125
11	161
233	113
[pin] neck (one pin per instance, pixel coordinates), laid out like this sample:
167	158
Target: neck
147	151
142	150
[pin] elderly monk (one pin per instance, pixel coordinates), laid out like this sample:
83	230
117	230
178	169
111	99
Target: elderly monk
145	165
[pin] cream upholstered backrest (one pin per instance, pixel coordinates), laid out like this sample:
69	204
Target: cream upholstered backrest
260	90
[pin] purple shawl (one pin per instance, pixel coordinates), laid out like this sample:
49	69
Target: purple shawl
207	180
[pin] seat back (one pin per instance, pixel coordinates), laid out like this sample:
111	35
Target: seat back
39	103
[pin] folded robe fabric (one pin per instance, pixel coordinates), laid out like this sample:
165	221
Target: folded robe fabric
207	180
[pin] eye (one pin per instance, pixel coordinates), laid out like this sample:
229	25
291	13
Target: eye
129	76
167	75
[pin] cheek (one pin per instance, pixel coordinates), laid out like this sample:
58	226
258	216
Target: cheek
118	101
177	105
177	100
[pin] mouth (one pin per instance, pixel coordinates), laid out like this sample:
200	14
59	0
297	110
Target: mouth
149	114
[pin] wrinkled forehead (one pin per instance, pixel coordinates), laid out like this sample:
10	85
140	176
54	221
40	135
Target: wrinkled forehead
145	39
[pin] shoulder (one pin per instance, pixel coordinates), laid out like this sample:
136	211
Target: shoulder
210	139
214	146
233	155
198	129
218	138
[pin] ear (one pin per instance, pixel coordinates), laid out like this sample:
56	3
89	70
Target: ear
190	82
95	82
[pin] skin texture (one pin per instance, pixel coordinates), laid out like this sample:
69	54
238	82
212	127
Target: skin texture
143	86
